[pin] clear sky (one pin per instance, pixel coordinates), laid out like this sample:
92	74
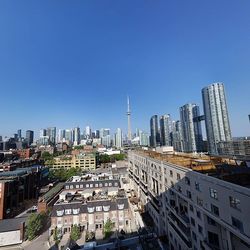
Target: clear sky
72	63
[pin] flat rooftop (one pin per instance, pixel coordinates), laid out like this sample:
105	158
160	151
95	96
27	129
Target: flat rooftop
77	197
219	167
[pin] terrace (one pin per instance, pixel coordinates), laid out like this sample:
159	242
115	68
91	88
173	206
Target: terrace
78	197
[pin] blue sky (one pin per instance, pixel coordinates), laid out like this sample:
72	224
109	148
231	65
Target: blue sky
72	63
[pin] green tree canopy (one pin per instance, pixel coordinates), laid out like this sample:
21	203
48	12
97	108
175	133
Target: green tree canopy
75	232
35	224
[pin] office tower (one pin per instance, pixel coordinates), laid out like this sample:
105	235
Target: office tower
97	134
51	133
249	117
216	116
61	135
104	132
143	138
77	135
106	141
118	138
19	134
69	135
177	140
165	126
191	130
129	122
15	137
29	137
88	132
154	131
42	132
1	138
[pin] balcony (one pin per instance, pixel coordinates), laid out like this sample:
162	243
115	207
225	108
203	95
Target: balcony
180	226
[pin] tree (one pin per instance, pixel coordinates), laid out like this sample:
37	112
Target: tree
56	237
108	227
75	232
35	224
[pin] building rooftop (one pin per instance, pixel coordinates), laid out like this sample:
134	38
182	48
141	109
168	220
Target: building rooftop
14	224
79	197
219	167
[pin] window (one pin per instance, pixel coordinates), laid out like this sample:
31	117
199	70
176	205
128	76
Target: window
193	221
199	201
194	236
213	239
67	211
191	208
197	186
171	173
198	213
200	229
210	221
213	193
237	224
234	202
98	208
187	180
215	210
179	189
67	187
87	185
178	176
189	195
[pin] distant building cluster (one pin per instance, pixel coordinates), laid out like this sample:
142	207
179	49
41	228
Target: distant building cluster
185	135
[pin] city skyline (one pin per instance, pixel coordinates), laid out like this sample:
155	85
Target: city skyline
49	64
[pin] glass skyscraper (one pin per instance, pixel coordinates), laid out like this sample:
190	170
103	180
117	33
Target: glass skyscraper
154	131
191	129
165	129
216	116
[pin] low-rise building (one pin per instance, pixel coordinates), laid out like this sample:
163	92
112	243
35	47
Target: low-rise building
195	202
18	187
90	202
85	161
12	231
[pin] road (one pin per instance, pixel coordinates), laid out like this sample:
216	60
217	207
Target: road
40	242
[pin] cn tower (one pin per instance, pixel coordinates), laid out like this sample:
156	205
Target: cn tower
129	124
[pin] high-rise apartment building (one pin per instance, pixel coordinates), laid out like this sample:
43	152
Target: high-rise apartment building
51	133
69	136
118	138
216	115
29	137
165	125
77	136
177	139
191	130
154	131
61	135
19	134
88	133
143	138
42	132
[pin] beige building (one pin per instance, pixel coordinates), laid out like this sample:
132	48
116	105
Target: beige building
195	202
85	161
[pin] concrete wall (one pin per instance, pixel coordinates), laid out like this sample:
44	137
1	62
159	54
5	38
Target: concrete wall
10	238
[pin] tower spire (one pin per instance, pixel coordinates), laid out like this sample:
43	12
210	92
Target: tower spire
128	115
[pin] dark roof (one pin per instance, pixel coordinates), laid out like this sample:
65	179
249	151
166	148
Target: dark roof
11	224
84	207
